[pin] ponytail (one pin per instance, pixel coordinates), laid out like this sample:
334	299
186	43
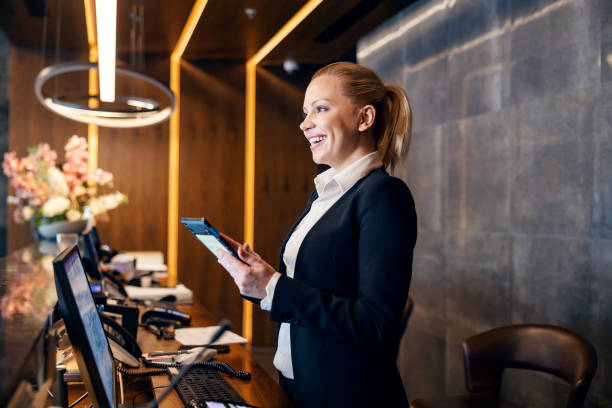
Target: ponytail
393	124
396	130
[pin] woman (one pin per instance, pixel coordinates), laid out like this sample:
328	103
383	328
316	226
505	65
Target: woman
346	265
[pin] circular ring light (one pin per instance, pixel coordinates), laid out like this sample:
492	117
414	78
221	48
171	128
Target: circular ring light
147	112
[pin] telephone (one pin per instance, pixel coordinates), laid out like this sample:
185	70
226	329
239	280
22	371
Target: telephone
165	317
123	345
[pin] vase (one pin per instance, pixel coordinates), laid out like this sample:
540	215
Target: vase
49	231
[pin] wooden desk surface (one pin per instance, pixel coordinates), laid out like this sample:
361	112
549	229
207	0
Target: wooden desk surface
260	391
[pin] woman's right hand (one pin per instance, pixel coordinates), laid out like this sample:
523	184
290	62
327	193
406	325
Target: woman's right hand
252	274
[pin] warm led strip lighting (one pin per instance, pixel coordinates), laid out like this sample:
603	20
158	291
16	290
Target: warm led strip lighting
106	25
92	130
173	151
249	149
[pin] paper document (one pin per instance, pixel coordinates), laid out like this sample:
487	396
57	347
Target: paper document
198	336
181	292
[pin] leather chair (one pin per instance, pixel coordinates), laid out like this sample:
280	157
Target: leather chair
550	349
405	317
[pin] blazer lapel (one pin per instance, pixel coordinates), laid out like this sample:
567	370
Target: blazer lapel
281	265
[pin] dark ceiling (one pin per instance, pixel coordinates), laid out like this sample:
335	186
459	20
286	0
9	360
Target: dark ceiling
223	33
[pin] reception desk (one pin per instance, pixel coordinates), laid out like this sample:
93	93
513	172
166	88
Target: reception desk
27	300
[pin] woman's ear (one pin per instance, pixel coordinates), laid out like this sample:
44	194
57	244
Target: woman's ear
367	114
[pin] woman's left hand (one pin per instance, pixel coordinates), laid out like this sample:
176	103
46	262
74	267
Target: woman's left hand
253	275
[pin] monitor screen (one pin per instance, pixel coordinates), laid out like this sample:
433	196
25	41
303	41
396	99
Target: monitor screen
84	328
91	260
96	238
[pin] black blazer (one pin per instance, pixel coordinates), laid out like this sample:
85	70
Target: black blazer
346	300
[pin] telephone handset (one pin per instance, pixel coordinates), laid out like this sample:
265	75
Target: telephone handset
114	287
123	345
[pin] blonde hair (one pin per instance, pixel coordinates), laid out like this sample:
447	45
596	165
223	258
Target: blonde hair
393	123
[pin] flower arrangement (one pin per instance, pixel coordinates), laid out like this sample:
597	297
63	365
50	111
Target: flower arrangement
44	193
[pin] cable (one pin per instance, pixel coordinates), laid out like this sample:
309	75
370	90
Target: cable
143	391
146	373
217	365
81	398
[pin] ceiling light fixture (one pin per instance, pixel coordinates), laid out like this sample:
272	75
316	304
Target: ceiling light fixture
106	23
127	111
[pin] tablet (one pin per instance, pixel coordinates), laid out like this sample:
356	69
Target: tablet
208	235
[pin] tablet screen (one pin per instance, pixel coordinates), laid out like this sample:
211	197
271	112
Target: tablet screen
212	243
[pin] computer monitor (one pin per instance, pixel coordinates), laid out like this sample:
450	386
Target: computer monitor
91	260
89	342
96	238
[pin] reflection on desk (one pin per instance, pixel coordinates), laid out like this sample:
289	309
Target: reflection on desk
27	298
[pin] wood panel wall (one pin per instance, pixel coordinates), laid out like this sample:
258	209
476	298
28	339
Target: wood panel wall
137	157
30	123
212	177
211	169
284	174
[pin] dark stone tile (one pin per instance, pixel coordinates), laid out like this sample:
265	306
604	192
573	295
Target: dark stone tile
428	286
527	79
478	270
551	282
421	363
555	49
602	212
454	373
427	39
477	157
572	67
428	107
423	174
600	331
386	61
479	92
427	90
606	59
552	185
470	21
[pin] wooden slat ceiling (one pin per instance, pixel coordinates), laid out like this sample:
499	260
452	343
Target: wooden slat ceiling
224	31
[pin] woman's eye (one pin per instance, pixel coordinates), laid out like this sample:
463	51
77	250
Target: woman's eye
304	114
321	108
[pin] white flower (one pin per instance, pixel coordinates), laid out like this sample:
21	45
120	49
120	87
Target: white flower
106	202
55	206
27	212
73	215
57	182
79	191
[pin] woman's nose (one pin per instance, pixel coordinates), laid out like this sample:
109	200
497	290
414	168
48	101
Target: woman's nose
306	123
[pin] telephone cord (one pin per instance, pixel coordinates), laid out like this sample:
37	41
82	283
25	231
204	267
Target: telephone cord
216	365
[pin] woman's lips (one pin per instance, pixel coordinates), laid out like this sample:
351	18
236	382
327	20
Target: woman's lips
315	141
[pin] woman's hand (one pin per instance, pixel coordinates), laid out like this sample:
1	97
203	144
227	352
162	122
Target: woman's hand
253	275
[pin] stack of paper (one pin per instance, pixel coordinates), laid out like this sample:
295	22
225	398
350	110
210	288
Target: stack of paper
182	293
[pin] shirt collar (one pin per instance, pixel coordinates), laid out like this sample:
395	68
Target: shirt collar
347	177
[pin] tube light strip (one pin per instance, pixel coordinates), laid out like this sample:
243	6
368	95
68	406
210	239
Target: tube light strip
249	149
174	138
106	24
92	130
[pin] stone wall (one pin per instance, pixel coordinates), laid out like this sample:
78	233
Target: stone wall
511	169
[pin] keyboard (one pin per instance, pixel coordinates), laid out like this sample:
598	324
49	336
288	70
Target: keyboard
202	385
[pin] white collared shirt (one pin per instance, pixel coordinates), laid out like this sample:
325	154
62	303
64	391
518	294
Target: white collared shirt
330	185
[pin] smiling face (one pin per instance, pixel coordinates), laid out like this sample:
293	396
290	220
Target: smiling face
334	126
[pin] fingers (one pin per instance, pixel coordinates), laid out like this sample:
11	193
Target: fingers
235	244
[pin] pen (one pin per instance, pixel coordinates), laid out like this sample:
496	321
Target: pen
168	353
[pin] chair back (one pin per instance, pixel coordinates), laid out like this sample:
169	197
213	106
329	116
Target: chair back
549	349
405	317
